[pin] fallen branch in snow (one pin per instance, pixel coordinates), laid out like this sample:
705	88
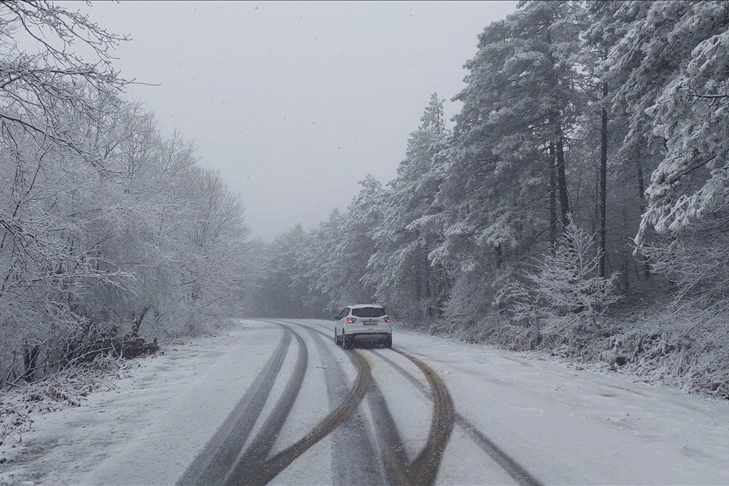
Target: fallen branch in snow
54	392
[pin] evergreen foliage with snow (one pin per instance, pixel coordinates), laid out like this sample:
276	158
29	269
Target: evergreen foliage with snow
568	107
566	282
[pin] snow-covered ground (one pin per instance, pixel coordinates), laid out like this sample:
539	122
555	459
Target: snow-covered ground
563	426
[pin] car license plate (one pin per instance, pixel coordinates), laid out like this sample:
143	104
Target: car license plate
370	323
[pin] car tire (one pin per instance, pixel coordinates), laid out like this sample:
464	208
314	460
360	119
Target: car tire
346	343
388	342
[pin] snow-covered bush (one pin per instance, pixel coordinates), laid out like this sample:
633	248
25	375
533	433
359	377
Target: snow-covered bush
566	283
695	259
560	300
687	348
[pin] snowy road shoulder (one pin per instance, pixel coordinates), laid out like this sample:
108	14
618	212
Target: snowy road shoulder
151	425
567	426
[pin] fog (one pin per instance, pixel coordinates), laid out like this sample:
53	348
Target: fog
294	103
575	212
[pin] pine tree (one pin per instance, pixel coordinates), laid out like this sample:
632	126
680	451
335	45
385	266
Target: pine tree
400	265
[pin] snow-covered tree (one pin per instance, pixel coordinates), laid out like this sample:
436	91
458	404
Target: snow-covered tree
105	225
47	80
282	291
567	281
400	266
340	249
505	184
688	113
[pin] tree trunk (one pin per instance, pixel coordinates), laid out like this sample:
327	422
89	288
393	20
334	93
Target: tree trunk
564	201
428	284
418	302
602	199
30	360
552	195
138	321
641	194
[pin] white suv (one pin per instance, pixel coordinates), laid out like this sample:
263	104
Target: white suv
363	323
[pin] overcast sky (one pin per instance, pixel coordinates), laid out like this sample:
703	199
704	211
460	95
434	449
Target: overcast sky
292	102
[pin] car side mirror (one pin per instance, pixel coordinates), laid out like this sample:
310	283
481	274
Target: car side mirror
335	318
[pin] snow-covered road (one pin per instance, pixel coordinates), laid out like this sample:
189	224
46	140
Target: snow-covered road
277	401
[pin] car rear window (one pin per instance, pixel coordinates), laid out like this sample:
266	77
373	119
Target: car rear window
368	312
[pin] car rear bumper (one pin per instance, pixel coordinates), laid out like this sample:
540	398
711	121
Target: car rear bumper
369	336
357	330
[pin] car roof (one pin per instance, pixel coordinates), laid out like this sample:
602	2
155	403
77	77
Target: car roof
359	306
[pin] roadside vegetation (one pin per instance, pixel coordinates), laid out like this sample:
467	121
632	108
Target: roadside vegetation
111	234
576	205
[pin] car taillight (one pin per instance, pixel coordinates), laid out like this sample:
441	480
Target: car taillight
351	320
387	320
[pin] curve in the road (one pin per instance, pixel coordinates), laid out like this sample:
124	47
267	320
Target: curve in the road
219	454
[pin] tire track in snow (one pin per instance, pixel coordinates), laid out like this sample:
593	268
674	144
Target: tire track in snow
392	451
219	454
424	469
273	466
352	450
428	472
394	459
507	463
256	453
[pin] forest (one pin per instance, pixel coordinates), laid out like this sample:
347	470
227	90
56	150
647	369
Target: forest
576	205
108	229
